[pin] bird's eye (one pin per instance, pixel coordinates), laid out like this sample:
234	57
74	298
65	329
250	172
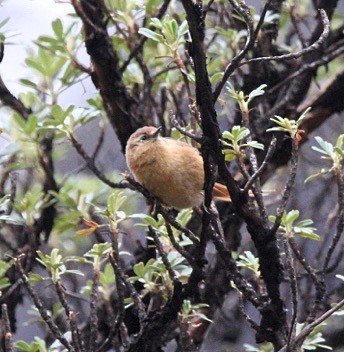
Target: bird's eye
143	138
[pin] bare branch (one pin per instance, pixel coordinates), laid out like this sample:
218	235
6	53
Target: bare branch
315	46
90	163
251	37
39	305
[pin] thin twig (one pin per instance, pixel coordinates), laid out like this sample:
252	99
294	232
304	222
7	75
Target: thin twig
143	39
325	59
293	289
99	143
315	46
78	342
177	246
340	224
310	327
133	292
295	19
288	186
93	320
42	311
247	290
118	325
119	289
311	272
11	101
251	37
163	255
91	165
7	329
254	164
263	166
243	312
174	123
170	219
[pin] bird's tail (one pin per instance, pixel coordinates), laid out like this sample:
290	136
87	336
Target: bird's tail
220	193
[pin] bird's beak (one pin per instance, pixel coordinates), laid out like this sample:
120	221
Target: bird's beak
156	133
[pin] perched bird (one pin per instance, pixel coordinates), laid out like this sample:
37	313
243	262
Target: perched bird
170	170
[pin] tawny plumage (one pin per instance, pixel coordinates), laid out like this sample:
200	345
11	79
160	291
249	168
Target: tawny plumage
170	170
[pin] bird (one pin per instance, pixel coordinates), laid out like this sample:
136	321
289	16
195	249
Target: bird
171	170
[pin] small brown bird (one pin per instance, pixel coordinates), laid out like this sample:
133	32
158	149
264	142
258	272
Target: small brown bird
170	170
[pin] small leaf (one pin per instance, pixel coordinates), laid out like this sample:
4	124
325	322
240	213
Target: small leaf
312	177
257	92
255	144
34	278
156	22
290	217
85	232
151	35
57	28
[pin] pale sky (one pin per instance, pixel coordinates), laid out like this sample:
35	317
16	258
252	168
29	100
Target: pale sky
28	19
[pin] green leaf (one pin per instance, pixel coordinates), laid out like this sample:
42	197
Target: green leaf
4	283
23	346
229	155
203	316
307	234
290	217
183	28
107	277
156	22
312	177
257	92
326	147
151	35
28	83
31	124
34	278
35	65
306	222
57	28
216	77
255	144
4	22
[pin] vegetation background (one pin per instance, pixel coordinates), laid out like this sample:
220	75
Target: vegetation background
83	261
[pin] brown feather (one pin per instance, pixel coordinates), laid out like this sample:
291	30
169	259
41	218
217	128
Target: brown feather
220	192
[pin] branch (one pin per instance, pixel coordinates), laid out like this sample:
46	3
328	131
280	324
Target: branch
91	165
315	46
93	319
251	37
288	186
45	222
324	105
293	288
310	327
106	76
325	59
143	39
42	311
273	324
75	332
6	329
340	225
157	324
163	256
12	102
263	166
115	262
